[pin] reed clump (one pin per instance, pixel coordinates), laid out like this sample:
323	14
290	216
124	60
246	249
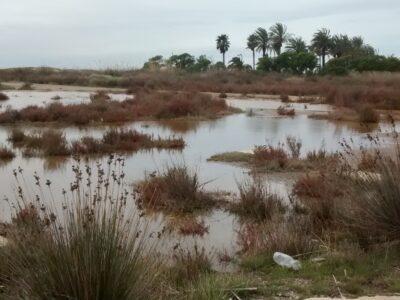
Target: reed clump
176	189
54	143
84	244
257	202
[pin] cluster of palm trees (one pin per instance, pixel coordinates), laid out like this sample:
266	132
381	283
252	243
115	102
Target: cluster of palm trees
322	44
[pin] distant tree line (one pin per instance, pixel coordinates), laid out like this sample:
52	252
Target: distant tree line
283	52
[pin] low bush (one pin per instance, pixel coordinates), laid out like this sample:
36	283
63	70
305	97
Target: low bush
283	111
374	206
270	153
6	154
144	106
292	236
90	249
54	143
321	196
176	189
48	142
257	202
189	265
368	115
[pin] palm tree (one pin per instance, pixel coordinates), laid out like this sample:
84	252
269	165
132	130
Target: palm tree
278	36
223	45
252	45
321	43
262	40
297	45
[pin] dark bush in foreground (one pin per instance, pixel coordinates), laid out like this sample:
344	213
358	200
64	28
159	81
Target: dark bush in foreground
374	211
87	251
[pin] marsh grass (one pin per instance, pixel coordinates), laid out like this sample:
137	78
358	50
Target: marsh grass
293	236
294	145
257	202
368	115
176	189
145	105
83	244
269	153
285	111
374	211
54	143
189	264
375	88
6	153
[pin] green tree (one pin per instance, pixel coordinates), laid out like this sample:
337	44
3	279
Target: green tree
264	64
303	62
297	45
183	61
223	45
263	41
202	64
340	45
219	66
321	43
359	48
236	63
278	37
252	45
154	63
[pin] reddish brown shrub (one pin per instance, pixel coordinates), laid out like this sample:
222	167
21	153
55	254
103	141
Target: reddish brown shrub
270	153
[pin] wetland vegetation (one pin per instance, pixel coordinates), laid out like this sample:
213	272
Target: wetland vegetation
162	187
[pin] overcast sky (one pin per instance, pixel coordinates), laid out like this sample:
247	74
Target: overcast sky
124	33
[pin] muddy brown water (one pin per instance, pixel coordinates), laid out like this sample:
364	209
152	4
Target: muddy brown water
239	132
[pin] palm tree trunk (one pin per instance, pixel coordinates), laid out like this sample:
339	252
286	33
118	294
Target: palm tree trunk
323	60
254	60
223	57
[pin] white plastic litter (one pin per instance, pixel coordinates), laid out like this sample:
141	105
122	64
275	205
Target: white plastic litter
286	261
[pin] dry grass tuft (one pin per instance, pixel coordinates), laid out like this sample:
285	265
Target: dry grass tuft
368	115
176	189
6	154
284	111
256	202
153	105
268	153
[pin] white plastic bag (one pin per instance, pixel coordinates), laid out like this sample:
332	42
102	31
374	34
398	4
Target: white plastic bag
286	261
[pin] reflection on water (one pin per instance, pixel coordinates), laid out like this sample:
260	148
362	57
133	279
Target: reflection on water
203	138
